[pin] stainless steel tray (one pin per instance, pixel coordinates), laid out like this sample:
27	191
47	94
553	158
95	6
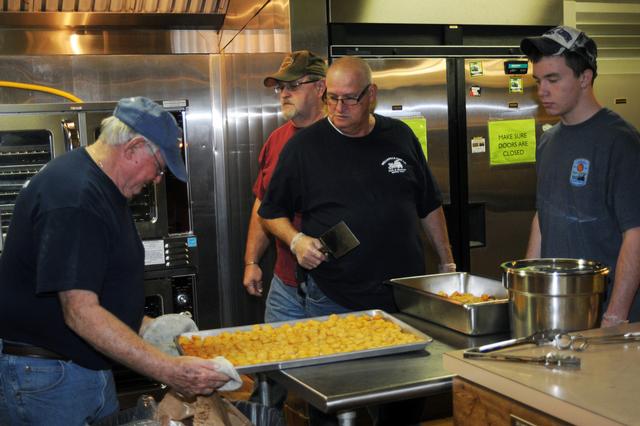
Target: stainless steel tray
257	368
418	296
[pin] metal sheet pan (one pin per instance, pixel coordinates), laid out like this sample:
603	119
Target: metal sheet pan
367	353
418	296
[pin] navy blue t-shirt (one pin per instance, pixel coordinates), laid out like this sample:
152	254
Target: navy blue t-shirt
588	178
379	184
587	196
71	229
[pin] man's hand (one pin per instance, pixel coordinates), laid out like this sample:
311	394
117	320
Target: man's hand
611	320
252	279
192	376
110	336
446	267
308	252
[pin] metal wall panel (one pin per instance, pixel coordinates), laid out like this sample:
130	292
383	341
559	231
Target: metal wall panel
309	26
251	113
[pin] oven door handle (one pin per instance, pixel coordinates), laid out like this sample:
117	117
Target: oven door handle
70	134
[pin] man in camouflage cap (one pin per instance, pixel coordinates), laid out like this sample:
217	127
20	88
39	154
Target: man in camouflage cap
587	167
299	84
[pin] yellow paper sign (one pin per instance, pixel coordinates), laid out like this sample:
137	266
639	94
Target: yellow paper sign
419	127
512	141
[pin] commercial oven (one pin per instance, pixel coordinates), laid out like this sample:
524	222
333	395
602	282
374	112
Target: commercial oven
33	134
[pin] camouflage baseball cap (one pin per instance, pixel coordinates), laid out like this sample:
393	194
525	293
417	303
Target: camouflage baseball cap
296	65
560	39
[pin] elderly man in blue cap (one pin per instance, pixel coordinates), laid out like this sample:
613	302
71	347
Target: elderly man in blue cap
71	294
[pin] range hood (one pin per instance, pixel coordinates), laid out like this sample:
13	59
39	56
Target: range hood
155	14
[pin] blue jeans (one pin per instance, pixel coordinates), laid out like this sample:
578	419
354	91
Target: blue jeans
283	302
37	391
287	303
318	304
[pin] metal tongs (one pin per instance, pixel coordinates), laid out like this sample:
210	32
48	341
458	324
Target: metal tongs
561	341
540	338
579	343
550	360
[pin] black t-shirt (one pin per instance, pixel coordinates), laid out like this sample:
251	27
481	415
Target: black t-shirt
378	184
71	229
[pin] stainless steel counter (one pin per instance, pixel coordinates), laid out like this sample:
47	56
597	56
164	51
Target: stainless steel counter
344	386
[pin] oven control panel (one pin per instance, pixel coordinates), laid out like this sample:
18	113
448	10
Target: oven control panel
175	251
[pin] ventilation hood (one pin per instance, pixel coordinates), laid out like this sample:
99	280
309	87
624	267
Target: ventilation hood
155	14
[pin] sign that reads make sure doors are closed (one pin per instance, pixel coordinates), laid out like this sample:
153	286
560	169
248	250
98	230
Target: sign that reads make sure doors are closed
512	141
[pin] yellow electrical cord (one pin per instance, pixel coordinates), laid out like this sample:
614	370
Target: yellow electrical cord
41	89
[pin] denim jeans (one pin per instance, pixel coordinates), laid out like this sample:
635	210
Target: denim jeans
37	391
283	302
318	304
287	303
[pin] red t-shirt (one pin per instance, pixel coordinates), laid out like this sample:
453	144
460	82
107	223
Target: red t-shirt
285	261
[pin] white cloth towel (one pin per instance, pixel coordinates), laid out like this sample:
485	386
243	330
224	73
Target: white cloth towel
162	333
225	367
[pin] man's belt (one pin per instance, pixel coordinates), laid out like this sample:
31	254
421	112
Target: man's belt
23	349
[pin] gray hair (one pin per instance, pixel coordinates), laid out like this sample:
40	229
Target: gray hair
115	132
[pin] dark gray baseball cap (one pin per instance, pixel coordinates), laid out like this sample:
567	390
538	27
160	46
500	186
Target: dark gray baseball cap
561	39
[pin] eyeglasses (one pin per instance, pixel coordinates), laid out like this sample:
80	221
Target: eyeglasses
159	168
347	100
292	87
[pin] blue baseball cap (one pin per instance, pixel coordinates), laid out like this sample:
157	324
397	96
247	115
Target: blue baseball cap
154	123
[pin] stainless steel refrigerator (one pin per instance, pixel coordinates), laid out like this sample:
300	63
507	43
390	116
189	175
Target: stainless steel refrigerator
489	204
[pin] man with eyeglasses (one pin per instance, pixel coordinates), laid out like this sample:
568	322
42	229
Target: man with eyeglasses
71	273
299	84
368	171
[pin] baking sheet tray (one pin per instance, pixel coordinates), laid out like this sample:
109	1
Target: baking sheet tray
418	296
344	356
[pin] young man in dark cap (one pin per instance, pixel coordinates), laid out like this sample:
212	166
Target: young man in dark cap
588	174
71	294
300	86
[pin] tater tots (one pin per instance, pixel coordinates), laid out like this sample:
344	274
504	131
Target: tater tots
265	343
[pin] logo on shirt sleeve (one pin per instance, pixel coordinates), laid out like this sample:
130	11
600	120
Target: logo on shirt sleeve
395	165
579	172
